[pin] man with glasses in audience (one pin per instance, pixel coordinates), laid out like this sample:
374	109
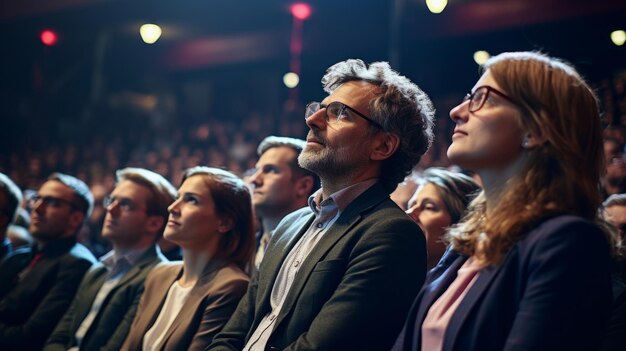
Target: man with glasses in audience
342	273
42	290
279	185
104	307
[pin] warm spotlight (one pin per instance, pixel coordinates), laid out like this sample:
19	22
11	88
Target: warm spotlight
49	37
150	33
436	6
301	10
481	56
618	37
291	80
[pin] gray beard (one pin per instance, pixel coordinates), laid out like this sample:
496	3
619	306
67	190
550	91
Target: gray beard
328	164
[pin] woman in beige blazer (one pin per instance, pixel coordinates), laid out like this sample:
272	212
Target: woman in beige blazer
186	303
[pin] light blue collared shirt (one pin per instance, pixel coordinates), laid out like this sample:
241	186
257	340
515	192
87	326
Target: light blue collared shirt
326	213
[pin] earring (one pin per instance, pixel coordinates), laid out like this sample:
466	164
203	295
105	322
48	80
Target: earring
525	143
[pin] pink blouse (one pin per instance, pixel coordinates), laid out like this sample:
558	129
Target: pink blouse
439	315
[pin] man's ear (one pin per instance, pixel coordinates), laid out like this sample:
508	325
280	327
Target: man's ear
76	220
384	145
303	186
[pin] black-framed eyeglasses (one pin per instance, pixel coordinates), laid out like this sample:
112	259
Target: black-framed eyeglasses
335	112
52	201
125	204
479	96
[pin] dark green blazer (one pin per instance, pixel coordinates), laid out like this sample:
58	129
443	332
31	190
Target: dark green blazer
352	292
110	327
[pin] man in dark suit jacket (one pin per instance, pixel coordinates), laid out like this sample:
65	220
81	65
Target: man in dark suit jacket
42	291
103	310
342	273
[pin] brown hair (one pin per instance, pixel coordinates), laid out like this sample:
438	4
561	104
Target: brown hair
559	176
232	200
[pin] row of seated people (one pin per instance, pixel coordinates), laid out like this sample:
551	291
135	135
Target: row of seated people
341	267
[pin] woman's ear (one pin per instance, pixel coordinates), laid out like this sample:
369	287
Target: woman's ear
532	140
384	146
225	225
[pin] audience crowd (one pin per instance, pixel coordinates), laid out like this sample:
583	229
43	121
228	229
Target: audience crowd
308	239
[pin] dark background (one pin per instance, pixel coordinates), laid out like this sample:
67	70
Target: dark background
224	60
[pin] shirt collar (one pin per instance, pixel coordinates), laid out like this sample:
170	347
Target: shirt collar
341	198
131	256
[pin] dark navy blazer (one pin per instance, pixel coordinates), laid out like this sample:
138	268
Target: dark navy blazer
551	292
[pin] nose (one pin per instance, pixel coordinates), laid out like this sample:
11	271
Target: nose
38	206
256	180
113	208
316	120
173	208
460	113
414	213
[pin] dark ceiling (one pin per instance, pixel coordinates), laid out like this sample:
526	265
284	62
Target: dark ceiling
238	41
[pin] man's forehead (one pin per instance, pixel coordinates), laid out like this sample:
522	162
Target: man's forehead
353	93
130	189
55	187
277	155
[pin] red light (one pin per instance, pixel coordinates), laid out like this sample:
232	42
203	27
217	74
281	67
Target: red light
301	10
49	37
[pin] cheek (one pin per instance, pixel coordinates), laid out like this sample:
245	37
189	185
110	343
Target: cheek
434	225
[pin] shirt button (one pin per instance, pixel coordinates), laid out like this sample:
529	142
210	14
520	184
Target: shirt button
296	264
320	225
272	317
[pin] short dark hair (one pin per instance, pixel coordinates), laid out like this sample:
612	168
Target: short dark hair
297	145
83	198
399	106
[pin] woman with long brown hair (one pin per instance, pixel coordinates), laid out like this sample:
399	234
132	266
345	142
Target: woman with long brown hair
527	269
186	303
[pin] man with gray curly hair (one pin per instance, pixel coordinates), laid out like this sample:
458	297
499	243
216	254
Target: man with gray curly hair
341	273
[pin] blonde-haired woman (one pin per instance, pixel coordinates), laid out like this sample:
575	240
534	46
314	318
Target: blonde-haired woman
527	269
185	304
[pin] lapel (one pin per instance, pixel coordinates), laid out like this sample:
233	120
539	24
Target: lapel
346	221
484	280
443	275
155	297
274	259
195	303
90	287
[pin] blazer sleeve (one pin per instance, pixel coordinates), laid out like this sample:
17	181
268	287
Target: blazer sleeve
385	271
34	332
567	297
233	335
220	306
